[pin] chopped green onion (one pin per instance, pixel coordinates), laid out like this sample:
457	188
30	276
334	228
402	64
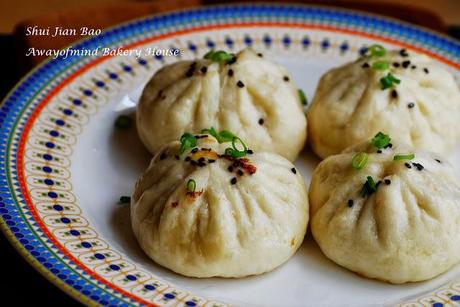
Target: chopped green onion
381	65
369	187
381	140
235	152
191	186
222	137
376	50
208	55
359	160
218	56
303	98
125	199
226	136
210	131
123	122
404	157
388	81
221	56
187	141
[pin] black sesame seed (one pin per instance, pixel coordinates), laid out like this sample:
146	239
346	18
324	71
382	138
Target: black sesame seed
201	164
389	146
294	170
403	53
201	159
260	55
379	151
261	121
394	94
204	69
233	181
230	72
162	156
211	161
193	162
387	181
437	160
413	66
250	151
350	203
236	164
418	166
407	165
194	150
176	157
193	65
189	72
365	65
240	84
240	173
405	64
286	78
230	168
188	159
426	70
411	105
396	64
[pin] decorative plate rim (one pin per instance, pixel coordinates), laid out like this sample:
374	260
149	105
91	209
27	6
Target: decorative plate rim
47	65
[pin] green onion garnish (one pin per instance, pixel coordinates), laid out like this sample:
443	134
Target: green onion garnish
125	199
187	140
369	187
235	152
381	140
208	55
123	122
376	51
359	160
381	65
191	186
222	137
303	98
388	81
218	56
226	136
210	131
404	157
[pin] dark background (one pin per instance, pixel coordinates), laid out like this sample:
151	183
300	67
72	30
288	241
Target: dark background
21	284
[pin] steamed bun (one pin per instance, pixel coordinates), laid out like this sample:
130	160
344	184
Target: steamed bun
243	216
251	96
349	106
405	231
